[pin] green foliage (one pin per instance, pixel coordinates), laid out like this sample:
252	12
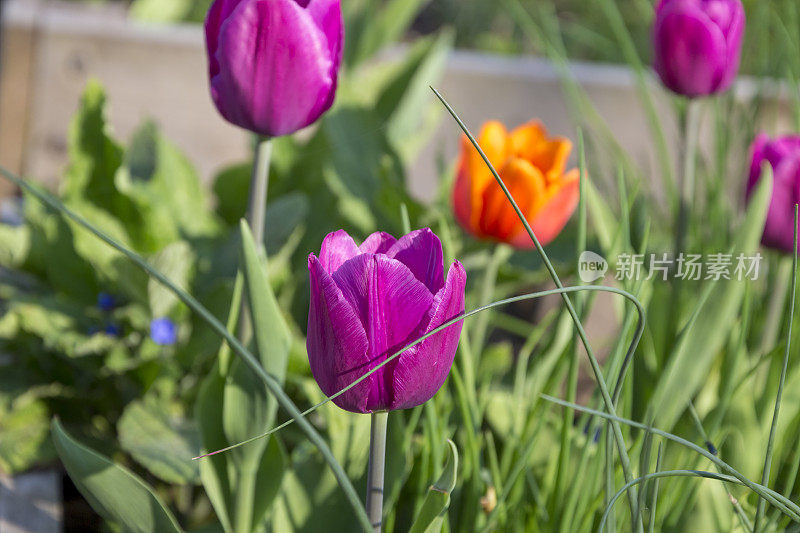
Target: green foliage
79	360
115	492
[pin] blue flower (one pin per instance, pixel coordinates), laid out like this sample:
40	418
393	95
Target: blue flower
106	301
162	331
112	330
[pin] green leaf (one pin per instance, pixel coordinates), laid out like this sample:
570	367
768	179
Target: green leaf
176	261
24	437
15	243
283	216
166	191
369	30
115	492
687	369
161	443
93	155
405	100
434	508
273	339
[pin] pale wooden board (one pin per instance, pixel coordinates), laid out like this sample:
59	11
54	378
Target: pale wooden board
31	503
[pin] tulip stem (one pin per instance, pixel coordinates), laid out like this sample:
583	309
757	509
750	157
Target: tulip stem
259	181
691	138
377	461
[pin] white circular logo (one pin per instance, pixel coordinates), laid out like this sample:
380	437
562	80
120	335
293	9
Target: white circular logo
591	267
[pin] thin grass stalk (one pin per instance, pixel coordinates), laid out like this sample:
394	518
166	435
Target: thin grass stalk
574	362
651	524
774	427
787	506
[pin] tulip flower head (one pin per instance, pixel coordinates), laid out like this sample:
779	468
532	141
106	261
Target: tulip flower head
369	301
783	154
532	166
274	64
697	44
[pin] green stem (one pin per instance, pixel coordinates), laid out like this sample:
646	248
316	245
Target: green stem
690	139
256	211
259	181
377	461
502	253
774	427
777	302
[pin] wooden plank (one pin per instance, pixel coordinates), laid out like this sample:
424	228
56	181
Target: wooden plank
17	39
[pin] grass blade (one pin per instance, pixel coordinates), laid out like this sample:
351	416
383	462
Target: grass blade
773	428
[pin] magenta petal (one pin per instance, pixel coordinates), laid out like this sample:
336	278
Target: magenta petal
757	156
377	243
337	247
421	252
420	373
336	341
275	70
328	16
779	226
690	50
217	13
391	303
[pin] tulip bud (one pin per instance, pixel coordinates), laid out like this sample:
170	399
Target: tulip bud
274	64
697	44
369	301
783	154
532	165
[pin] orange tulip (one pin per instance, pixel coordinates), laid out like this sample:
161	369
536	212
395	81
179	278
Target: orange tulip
532	167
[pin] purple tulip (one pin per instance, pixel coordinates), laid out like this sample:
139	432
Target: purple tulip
274	64
697	44
783	154
369	301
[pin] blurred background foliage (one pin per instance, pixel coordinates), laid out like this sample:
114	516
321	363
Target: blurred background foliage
587	31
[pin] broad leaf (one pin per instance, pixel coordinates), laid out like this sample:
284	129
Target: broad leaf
115	492
161	443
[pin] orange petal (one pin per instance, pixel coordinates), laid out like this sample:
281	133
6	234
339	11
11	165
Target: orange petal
552	158
525	183
526	139
550	215
493	140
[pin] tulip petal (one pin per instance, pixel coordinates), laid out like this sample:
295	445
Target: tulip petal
474	176
778	229
689	49
217	13
551	215
336	341
276	73
390	303
328	16
337	247
421	252
378	243
421	371
525	183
